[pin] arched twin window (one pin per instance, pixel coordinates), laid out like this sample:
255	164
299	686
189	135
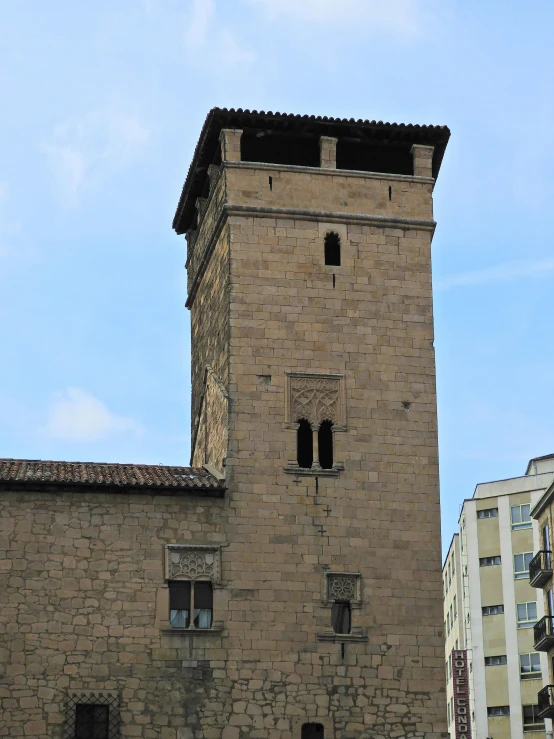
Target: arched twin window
332	249
305	445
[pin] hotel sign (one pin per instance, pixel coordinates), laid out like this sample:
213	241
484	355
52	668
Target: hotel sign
460	675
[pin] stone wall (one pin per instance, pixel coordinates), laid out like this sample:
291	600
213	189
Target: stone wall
83	599
210	330
85	592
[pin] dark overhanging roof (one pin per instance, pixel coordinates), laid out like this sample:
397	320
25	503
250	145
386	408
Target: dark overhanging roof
306	125
50	476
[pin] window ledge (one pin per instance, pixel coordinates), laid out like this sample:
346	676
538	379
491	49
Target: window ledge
294	469
168	630
330	636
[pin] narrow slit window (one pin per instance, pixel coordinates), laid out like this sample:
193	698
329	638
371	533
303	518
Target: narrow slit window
332	249
341	617
325	445
305	445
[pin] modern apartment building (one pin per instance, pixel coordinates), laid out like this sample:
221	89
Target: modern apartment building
540	576
490	610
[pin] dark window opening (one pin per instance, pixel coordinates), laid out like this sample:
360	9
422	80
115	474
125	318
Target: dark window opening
186	597
304	445
91	721
179	604
390	193
273	147
312	731
325	445
341	617
203	605
332	249
377	157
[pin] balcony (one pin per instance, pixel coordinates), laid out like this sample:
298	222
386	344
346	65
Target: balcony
545	702
540	569
543	633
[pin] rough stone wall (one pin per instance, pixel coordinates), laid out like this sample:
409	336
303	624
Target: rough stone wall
379	517
82	607
212	434
87	613
210	332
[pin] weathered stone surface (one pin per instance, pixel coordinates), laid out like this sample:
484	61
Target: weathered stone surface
84	603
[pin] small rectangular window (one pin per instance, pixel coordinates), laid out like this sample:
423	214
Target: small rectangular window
530	665
341	617
498	711
526	614
492	610
531	720
490	561
492	661
521	516
187	597
488	513
521	565
91	721
454	608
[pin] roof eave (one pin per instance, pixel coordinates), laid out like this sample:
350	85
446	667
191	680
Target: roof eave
50	486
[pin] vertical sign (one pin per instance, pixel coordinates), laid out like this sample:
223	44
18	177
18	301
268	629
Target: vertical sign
462	718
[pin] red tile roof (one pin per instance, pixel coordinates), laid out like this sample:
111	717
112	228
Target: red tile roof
33	473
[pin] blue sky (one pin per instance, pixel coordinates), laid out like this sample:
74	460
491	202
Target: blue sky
103	103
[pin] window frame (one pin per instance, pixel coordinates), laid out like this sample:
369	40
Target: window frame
528	623
537	724
192	564
530	674
498	711
497	613
493	561
481	514
107	698
521	524
522	574
490	661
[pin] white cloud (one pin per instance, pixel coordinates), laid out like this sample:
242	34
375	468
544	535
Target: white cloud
499	273
400	16
102	141
209	45
76	415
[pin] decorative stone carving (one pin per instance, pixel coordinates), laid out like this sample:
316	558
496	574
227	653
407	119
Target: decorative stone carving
342	587
316	398
189	562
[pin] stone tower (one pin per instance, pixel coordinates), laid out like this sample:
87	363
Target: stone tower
313	392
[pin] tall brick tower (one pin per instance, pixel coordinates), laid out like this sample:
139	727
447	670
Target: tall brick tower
313	392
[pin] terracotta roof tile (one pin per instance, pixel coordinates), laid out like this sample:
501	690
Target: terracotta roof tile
33	472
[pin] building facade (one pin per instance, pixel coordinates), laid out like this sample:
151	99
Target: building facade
490	608
540	577
288	584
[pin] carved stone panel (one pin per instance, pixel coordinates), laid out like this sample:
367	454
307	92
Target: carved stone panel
189	562
316	398
343	586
